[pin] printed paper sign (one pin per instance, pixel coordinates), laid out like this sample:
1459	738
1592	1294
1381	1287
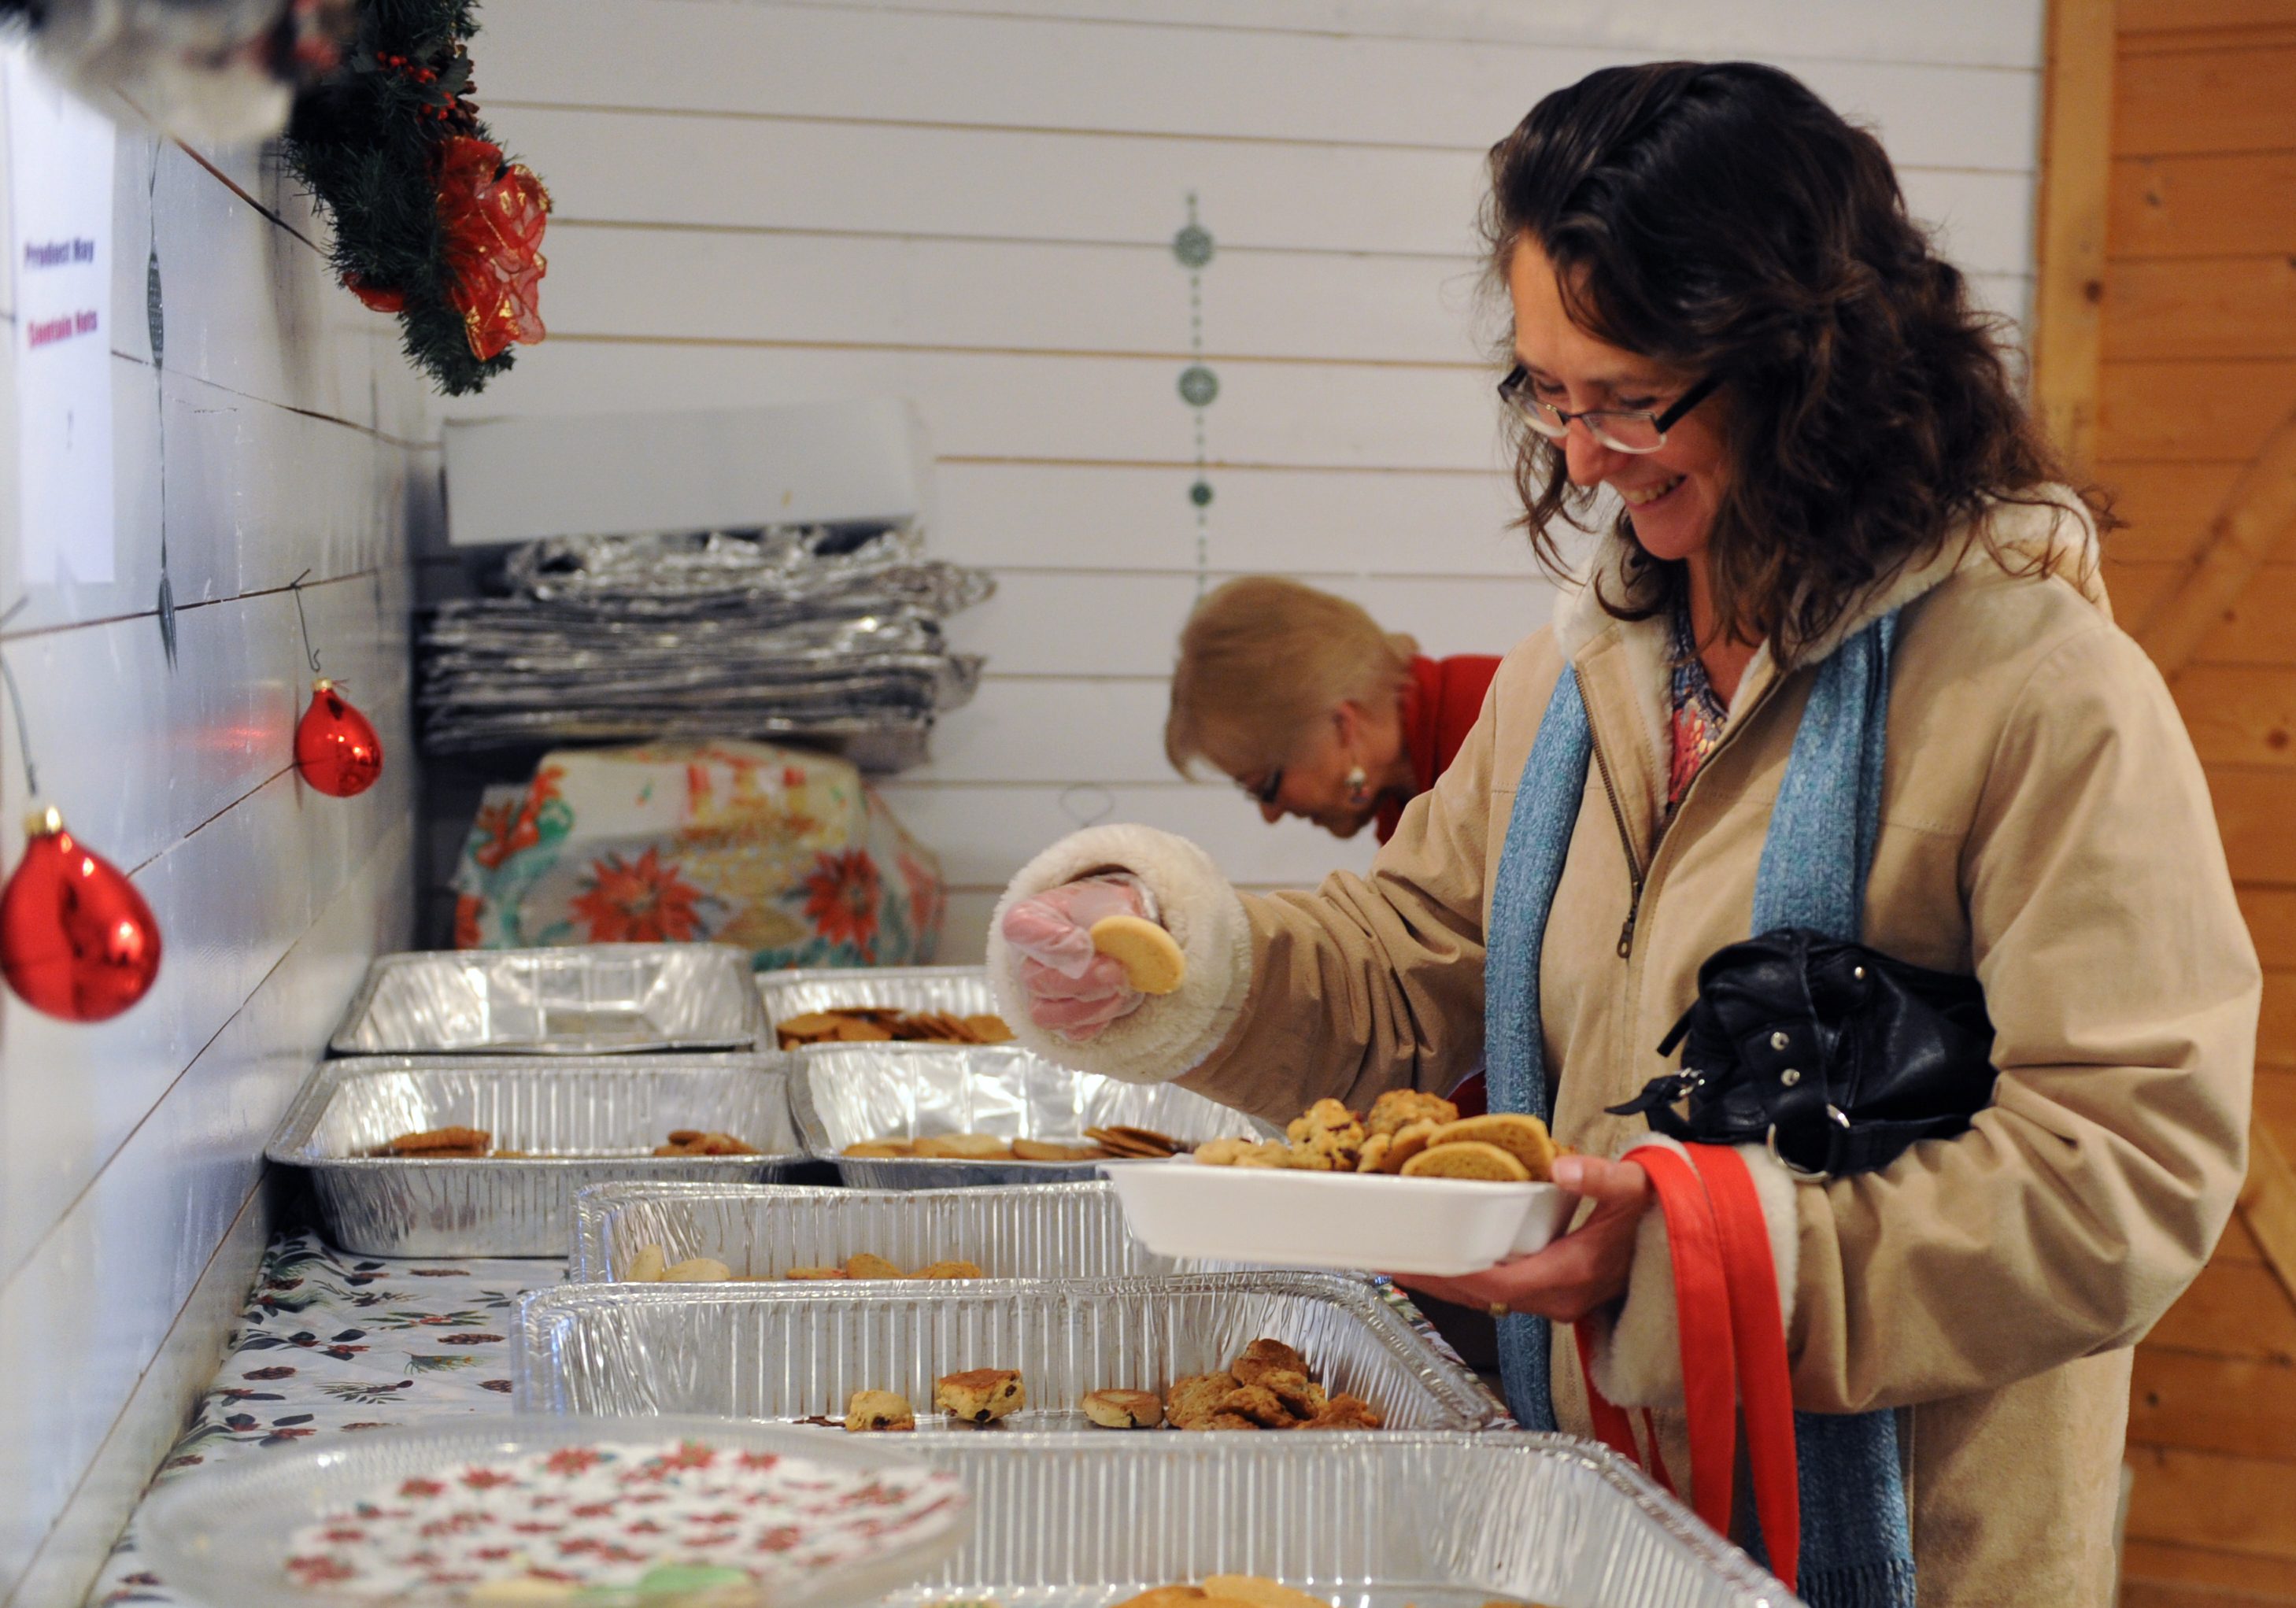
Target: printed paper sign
60	156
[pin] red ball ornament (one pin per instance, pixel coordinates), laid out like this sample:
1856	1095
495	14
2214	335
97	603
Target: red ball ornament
336	746
77	940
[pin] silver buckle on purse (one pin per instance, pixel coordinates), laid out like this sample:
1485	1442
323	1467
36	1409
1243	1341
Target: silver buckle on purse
1805	1175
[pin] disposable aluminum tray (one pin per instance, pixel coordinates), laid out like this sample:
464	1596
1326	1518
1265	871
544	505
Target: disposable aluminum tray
959	991
1369	1520
1013	1231
590	1122
598	999
797	1350
845	1092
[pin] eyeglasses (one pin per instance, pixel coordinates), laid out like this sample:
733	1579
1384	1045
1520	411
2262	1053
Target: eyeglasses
1619	429
1263	794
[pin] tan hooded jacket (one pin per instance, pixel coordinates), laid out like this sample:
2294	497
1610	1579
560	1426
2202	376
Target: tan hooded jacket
2045	827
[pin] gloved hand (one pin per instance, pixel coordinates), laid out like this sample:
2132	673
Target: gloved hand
1073	990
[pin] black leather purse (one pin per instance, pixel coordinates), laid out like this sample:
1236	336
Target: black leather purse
1835	1055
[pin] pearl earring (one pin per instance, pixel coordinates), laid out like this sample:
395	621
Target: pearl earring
1359	787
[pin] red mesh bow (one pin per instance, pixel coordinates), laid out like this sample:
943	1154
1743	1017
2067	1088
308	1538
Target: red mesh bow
492	216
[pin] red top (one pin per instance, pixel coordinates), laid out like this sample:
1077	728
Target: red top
1440	702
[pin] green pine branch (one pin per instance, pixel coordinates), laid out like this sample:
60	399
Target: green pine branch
365	143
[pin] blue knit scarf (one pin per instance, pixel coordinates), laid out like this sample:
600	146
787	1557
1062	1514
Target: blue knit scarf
1856	1545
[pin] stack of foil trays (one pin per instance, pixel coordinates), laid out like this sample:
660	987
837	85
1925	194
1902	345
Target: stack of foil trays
831	637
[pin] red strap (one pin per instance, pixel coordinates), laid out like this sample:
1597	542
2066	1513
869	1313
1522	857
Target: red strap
1764	1386
1701	1300
1611	1427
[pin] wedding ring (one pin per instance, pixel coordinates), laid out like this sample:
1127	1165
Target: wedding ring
1498	1309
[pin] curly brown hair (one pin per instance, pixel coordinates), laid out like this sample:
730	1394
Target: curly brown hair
1721	219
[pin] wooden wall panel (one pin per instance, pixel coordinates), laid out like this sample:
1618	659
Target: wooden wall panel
1967	32
2204	206
2196	1498
2165	504
2276	1081
2242	1406
2216	410
1373	522
2240	715
2234	1309
2069	254
2271	914
985	70
2253	631
1061	623
2240	308
2199	324
907	183
2252	815
2275	1034
2187	17
2231	98
2155	1564
1049	406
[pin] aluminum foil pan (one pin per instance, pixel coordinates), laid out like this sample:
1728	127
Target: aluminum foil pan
596	999
593	1121
796	1350
1013	1231
1369	1521
958	990
845	1092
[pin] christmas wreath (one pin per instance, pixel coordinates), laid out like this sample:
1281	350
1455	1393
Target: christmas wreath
431	222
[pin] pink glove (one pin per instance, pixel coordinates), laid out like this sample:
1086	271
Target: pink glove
1072	990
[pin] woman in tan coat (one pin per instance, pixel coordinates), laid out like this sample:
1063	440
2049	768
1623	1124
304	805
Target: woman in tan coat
1723	316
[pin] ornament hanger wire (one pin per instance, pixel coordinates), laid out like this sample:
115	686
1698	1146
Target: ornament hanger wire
16	701
310	653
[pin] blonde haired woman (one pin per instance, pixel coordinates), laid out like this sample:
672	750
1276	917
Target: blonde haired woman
1313	710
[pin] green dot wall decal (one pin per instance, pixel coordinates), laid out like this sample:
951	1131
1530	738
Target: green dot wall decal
1193	245
1192	249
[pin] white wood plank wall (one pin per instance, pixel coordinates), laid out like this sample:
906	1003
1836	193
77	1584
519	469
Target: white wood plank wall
130	1221
973	205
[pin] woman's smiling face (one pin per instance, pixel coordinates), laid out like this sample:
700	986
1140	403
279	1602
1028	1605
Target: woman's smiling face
1670	494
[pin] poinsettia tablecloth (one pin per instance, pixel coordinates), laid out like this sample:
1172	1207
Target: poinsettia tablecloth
332	1344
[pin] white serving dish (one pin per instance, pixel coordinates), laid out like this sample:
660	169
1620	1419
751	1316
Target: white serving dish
1441	1226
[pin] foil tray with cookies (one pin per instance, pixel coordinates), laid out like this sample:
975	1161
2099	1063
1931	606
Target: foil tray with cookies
803	1352
583	999
1407	1187
933	1116
961	992
1400	1518
411	1155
